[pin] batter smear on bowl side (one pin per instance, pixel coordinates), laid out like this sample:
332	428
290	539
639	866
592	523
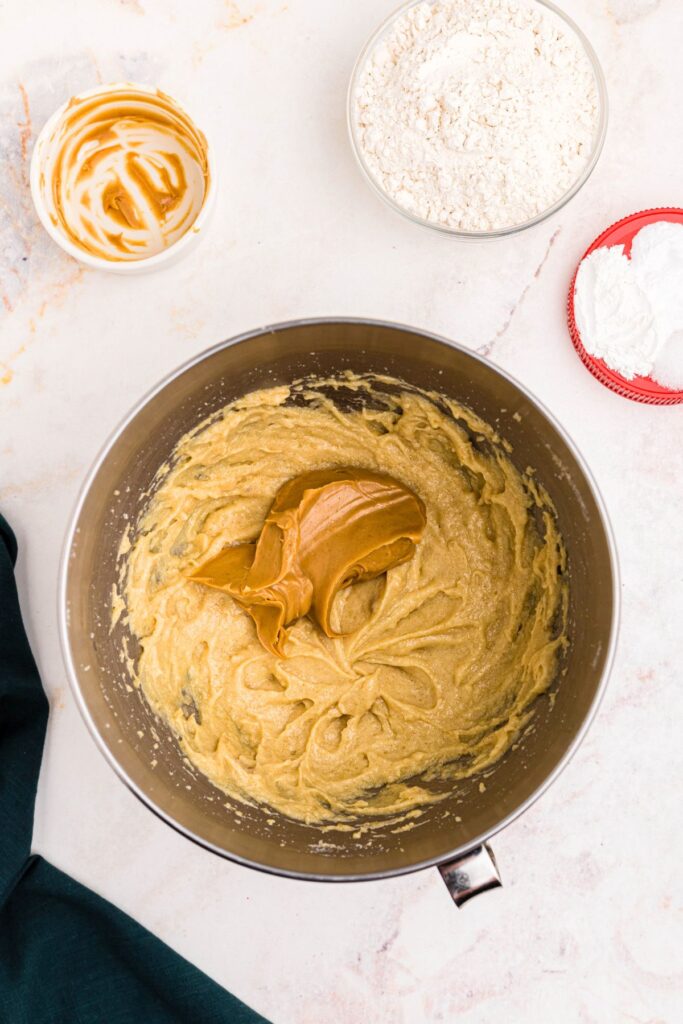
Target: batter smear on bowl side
432	667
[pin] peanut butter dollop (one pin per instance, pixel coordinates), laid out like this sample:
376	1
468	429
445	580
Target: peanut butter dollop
325	530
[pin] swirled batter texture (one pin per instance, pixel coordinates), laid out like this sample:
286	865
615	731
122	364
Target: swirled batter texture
126	173
441	658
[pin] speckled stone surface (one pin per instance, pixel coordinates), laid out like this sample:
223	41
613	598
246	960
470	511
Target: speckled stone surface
589	925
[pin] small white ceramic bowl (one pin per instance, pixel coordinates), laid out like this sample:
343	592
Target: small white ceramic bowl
40	181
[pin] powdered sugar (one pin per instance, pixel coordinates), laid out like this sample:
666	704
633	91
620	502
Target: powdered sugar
629	312
668	368
477	114
613	315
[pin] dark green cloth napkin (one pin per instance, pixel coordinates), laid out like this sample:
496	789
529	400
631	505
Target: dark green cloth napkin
66	955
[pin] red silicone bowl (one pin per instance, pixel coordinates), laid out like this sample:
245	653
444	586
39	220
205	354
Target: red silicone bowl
640	389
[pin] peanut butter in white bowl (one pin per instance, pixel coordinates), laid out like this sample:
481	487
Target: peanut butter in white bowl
122	178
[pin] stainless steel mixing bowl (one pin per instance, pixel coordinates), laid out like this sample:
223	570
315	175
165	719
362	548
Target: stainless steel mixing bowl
450	834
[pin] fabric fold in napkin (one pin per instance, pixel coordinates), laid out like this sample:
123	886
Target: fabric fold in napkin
66	955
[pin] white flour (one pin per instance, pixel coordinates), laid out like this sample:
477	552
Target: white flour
629	312
477	114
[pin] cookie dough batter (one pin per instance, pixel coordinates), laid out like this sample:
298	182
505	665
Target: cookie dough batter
439	661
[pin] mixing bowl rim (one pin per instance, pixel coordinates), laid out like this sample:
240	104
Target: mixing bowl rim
99	738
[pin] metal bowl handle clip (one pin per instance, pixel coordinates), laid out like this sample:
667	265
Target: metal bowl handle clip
473	873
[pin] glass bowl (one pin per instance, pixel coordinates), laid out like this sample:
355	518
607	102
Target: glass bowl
443	229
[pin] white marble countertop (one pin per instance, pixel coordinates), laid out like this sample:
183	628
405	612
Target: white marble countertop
589	926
